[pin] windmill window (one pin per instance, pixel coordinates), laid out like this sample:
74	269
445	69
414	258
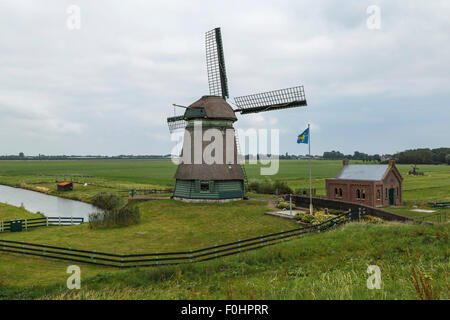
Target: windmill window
335	192
385	194
204	186
358	194
378	194
340	192
363	194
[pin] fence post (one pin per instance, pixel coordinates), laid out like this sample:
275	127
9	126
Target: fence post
26	224
260	240
47	221
23	248
215	250
71	220
59	221
93	256
43	250
2	226
190	255
239	244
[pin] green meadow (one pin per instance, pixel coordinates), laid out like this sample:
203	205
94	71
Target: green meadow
165	226
110	175
107	174
414	259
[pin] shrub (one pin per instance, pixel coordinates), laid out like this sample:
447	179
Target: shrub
282	187
115	212
371	219
335	212
304	217
317	217
116	217
269	187
283	205
107	201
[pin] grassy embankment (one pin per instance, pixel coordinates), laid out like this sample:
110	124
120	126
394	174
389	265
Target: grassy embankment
8	212
330	265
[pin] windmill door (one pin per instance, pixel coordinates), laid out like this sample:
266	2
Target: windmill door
391	196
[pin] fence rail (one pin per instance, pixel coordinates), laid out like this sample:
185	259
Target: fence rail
135	192
170	258
40	222
441	217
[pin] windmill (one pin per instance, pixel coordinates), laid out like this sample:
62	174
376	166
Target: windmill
222	180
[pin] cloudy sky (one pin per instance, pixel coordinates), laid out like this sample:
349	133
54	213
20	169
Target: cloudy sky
107	88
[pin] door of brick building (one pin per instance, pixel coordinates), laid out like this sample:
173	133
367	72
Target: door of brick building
391	196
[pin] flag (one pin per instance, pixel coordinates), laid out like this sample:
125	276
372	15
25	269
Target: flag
303	138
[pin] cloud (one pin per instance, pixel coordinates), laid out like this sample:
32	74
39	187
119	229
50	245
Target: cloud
113	81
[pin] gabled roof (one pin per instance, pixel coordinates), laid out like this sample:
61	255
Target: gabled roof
65	183
366	172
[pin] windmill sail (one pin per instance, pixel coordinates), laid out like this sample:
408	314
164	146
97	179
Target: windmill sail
272	100
176	123
215	64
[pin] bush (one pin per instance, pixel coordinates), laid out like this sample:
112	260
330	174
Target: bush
115	212
282	187
283	205
269	187
116	217
335	212
108	201
304	217
317	217
371	219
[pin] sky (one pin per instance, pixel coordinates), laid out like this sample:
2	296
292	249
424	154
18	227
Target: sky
375	81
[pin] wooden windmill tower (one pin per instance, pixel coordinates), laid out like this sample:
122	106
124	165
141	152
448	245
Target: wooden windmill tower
223	179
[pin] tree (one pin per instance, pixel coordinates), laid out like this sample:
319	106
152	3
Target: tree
21	155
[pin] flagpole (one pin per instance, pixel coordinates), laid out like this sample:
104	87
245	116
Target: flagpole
309	164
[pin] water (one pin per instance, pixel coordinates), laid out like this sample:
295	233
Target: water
49	206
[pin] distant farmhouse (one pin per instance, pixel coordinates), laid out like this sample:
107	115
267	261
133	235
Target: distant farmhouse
372	185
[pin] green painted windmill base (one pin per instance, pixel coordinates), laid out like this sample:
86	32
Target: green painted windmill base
209	190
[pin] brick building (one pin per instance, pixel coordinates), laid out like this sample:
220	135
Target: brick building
372	185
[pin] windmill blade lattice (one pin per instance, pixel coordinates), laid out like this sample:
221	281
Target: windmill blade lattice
215	64
176	123
272	100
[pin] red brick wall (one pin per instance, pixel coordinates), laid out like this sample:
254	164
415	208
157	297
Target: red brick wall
350	191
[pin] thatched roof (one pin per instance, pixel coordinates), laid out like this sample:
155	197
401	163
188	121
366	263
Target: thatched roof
215	107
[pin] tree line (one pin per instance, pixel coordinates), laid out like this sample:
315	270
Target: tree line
337	155
412	156
424	156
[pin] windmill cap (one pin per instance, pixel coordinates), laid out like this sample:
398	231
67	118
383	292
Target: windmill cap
215	108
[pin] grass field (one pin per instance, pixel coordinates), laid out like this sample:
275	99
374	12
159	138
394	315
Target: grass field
331	265
110	175
166	225
107	175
